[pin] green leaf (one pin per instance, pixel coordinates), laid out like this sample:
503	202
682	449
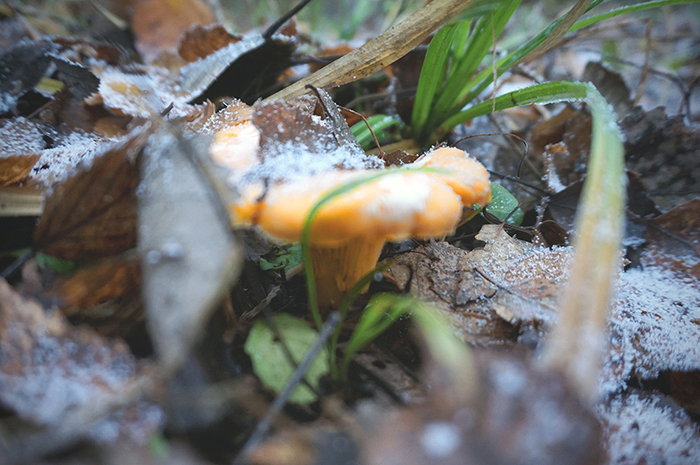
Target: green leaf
504	205
379	124
58	265
284	259
272	366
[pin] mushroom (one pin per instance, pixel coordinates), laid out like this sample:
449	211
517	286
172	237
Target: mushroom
348	233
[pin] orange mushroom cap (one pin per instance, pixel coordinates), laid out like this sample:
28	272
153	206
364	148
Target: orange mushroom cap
348	232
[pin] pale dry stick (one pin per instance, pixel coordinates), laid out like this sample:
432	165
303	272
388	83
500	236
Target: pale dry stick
381	51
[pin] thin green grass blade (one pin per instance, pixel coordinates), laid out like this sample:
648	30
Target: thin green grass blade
627	9
380	313
541	93
485	77
378	123
431	76
479	45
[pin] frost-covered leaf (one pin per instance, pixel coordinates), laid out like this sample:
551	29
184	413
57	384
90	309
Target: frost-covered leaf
93	212
20	147
270	362
648	428
203	40
654	326
51	372
245	69
189	257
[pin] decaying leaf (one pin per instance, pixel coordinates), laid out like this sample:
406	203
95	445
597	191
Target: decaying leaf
201	41
664	151
96	284
93	212
517	415
21	67
654	326
189	257
51	372
245	70
159	24
20	147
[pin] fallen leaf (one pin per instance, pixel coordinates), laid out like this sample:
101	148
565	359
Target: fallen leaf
270	362
665	153
51	372
20	147
652	326
22	66
159	24
246	70
99	283
93	212
189	257
643	427
203	40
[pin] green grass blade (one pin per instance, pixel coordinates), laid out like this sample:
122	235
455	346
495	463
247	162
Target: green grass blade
378	123
485	77
381	311
480	42
627	9
431	76
540	93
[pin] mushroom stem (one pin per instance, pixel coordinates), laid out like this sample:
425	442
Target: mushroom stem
337	269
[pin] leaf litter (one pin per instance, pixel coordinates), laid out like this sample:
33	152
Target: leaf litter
499	295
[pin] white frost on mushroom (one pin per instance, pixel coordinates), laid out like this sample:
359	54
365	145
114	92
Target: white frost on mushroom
397	200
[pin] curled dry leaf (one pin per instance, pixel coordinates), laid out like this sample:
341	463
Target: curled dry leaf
93	212
50	371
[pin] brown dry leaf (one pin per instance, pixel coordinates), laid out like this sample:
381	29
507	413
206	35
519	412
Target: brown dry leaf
20	147
666	154
201	41
676	235
436	273
159	24
99	283
291	129
51	372
93	212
